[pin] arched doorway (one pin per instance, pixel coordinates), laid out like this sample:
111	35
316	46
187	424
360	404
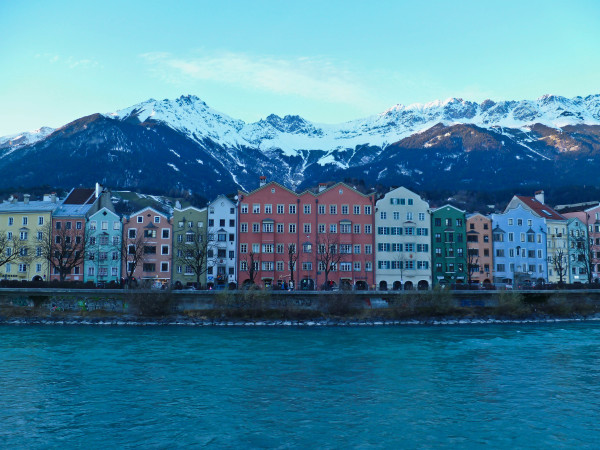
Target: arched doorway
408	286
307	284
346	285
397	286
422	285
37	278
362	285
383	285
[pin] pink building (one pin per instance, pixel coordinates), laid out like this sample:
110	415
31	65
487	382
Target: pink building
331	227
147	238
590	217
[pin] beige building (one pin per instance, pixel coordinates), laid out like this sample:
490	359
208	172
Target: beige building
480	258
22	226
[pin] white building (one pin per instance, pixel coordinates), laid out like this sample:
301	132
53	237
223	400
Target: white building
402	241
222	227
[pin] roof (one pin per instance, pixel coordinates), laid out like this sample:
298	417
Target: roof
80	196
32	206
539	208
71	210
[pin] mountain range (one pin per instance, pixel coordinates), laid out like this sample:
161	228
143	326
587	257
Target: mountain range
185	144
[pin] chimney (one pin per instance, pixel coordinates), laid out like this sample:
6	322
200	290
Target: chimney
322	187
263	180
26	198
539	196
98	190
53	197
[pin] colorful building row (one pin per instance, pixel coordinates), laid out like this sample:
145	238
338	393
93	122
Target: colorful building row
315	239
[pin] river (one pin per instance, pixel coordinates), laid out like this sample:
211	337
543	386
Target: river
498	386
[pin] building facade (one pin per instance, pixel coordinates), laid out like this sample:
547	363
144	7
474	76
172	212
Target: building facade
25	226
104	231
480	251
223	229
402	241
590	217
147	240
556	231
449	246
308	240
190	246
578	251
519	239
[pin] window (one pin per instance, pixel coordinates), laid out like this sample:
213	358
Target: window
131	233
368	210
25	220
345	267
396	215
244	208
409	216
292	209
149	233
243	228
307	247
232	223
255	227
356	229
268	209
306	266
292	227
166	233
267	227
164	266
357	249
321	209
437	222
11	220
116	225
511	237
164	249
280	209
23	235
149	267
267	248
510	222
243	248
332	209
382	215
333	228
368	249
459	222
280	228
367	229
9	235
91	271
256	208
40	220
356	209
345	209
306	209
222	237
307	228
345	228
421	217
59	225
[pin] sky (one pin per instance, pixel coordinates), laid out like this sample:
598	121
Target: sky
327	61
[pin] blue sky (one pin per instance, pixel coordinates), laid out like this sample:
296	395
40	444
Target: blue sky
326	61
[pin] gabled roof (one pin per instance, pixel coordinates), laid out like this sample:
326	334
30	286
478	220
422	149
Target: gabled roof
80	196
306	191
539	208
446	206
137	213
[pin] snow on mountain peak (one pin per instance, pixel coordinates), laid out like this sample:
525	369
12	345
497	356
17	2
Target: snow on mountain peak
292	134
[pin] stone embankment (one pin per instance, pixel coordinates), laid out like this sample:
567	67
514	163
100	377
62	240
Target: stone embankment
277	308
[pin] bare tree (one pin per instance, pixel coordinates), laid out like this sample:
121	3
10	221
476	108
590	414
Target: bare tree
13	249
194	251
329	255
132	252
249	264
63	248
472	261
559	263
586	251
292	260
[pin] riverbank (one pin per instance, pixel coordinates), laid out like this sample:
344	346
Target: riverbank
264	308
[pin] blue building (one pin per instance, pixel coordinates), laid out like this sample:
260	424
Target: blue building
519	239
102	262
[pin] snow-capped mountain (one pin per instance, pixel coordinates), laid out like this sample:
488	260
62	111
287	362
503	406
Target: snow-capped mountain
292	134
185	144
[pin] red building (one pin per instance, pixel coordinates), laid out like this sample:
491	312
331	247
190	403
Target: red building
306	237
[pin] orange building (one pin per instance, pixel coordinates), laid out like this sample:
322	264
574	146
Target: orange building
479	248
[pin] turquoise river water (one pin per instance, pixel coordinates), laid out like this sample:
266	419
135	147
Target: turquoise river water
493	386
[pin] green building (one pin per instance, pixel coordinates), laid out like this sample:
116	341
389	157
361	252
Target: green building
190	247
449	247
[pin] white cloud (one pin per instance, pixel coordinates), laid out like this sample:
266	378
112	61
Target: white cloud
69	61
312	78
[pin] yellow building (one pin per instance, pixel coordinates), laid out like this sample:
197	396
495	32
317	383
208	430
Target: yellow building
25	223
